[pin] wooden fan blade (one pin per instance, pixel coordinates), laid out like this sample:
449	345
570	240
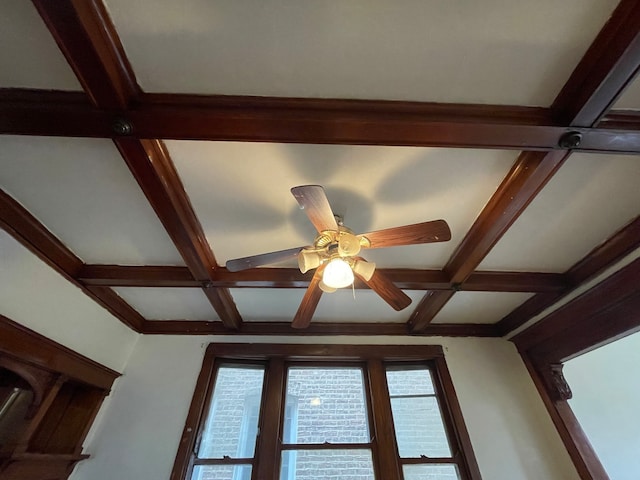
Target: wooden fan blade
426	232
245	263
314	202
384	287
309	302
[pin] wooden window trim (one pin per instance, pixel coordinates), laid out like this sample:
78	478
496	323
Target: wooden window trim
371	357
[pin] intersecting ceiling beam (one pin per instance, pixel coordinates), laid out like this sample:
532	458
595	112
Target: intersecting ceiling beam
151	166
405	278
25	228
594	85
526	178
89	42
607	68
85	34
358	122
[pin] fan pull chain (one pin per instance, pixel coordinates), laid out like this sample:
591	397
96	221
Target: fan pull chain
353	288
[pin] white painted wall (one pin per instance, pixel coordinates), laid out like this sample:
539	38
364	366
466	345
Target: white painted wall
606	395
34	295
136	436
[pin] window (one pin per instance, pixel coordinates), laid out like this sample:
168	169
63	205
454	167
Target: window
303	412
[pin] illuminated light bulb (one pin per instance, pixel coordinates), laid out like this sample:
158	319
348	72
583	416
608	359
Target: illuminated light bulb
337	274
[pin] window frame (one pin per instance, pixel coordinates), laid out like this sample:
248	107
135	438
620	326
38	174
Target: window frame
374	360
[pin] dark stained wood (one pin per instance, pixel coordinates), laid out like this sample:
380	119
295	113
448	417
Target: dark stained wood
25	228
590	332
253	261
568	318
455	419
150	164
384	432
85	34
268	452
29	346
428	308
253	351
387	290
137	276
481	281
607	68
405	278
311	121
194	327
426	232
575	440
620	244
526	178
111	301
310	301
313	200
186	446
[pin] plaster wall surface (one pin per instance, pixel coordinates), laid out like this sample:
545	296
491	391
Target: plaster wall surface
139	428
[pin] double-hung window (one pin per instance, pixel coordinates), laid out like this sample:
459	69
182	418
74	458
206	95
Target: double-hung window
305	412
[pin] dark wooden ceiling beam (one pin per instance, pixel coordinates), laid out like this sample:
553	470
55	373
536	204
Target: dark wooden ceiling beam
154	171
85	34
194	327
38	112
618	246
409	279
89	42
607	68
565	321
526	178
30	232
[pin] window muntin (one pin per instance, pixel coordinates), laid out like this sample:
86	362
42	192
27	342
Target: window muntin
280	452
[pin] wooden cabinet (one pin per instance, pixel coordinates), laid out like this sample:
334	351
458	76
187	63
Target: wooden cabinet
49	397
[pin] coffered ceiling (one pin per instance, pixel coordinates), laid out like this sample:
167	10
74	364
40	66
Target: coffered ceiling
147	143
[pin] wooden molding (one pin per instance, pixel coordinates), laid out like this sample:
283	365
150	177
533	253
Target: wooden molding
25	228
526	178
198	327
51	113
570	320
575	440
404	278
607	68
29	346
85	34
614	249
154	171
555	382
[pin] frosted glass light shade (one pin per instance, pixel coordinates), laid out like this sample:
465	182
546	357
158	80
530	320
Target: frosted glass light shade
364	269
308	260
337	274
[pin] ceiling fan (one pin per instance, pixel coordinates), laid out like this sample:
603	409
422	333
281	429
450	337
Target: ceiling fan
335	253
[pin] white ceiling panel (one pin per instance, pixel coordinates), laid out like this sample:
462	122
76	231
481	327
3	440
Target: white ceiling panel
479	307
169	303
29	57
589	198
630	99
83	192
241	193
266	305
516	52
